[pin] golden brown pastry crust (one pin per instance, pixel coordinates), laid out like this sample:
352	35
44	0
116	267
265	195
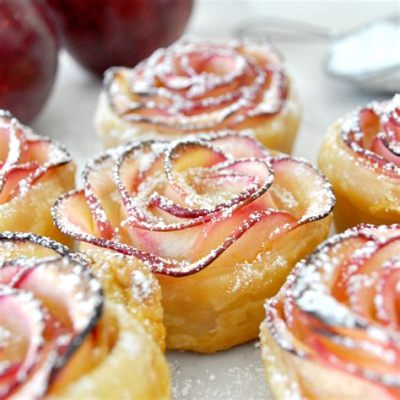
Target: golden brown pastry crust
135	367
128	282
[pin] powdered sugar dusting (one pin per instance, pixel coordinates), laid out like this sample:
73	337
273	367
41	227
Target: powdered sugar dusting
142	286
147	208
194	85
228	375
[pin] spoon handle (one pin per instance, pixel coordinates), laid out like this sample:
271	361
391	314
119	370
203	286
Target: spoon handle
286	29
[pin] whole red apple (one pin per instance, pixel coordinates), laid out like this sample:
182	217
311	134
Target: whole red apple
28	57
103	33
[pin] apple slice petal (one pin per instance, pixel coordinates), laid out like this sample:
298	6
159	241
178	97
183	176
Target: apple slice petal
137	161
249	238
15	179
73	213
184	155
387	300
344	354
97	189
382	146
132	167
76	300
313	191
270	219
29	327
239	145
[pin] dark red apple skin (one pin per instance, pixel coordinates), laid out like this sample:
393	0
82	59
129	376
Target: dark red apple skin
28	57
104	33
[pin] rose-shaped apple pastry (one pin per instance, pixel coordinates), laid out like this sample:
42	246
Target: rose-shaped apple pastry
361	157
34	172
217	219
332	332
193	87
62	337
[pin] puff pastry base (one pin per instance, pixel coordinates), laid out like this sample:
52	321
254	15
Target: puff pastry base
277	132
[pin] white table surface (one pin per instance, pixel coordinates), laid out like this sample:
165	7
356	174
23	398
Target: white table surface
237	373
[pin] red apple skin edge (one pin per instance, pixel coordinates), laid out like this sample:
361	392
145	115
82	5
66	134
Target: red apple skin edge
28	57
103	33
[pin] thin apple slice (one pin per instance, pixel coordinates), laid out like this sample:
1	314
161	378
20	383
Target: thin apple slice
97	190
136	162
239	145
15	180
22	322
72	211
185	155
386	149
387	303
312	194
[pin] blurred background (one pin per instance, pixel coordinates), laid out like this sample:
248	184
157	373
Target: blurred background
68	113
